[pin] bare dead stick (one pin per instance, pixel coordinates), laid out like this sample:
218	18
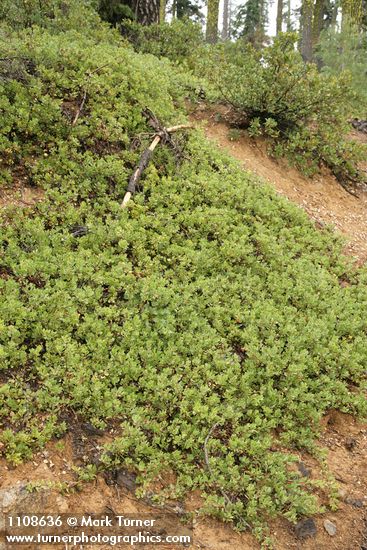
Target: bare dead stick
80	108
82	103
145	158
178	127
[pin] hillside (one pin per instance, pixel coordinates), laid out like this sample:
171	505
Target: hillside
203	332
326	202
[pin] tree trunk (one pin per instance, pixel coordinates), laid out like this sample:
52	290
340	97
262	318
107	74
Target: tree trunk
352	12
306	30
162	11
225	28
289	19
318	21
212	21
146	11
279	16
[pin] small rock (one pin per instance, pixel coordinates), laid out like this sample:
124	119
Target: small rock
303	469
356	502
306	528
350	443
330	527
79	230
62	504
10	496
126	479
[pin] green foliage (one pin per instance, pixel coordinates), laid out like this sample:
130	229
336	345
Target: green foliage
114	11
58	15
181	41
188	9
305	113
234	134
207	314
250	21
346	51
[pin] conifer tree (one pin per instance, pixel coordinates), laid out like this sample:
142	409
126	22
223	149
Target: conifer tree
250	21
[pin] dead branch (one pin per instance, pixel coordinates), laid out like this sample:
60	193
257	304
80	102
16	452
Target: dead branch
80	108
84	98
146	156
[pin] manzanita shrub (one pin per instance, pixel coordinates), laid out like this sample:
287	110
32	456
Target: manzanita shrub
181	41
207	320
303	112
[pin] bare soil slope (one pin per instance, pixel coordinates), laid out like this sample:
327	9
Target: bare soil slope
344	438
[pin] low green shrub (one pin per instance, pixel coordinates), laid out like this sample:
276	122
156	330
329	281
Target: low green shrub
181	40
304	112
56	15
346	51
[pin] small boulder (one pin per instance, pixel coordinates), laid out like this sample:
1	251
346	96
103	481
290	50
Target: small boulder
12	496
355	502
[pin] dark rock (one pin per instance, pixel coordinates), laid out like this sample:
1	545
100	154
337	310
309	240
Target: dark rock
91	430
79	230
303	469
126	479
356	502
350	443
306	528
360	125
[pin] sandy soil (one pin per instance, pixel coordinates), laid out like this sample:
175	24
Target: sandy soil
20	195
343	437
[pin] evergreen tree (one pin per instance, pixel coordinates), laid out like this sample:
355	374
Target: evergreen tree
114	11
187	9
250	21
145	12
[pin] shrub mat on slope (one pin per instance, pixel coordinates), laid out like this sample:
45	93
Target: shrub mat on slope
209	306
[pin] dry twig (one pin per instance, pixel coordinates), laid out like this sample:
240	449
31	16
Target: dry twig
146	156
85	94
